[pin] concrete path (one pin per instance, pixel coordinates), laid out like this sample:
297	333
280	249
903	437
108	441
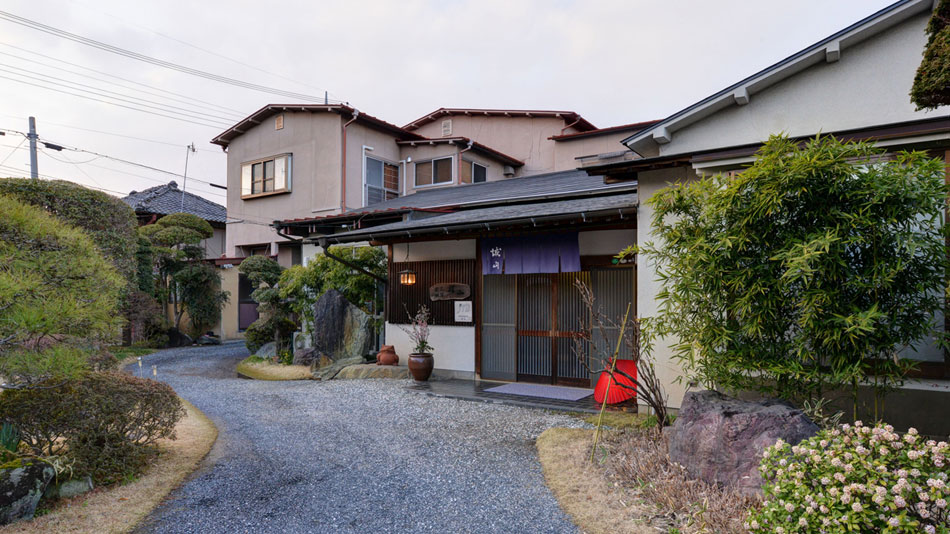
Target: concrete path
352	456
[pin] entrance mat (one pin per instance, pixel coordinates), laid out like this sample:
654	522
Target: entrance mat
542	391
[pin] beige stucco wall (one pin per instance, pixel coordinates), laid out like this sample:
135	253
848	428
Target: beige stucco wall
566	151
227	327
384	148
314	141
868	86
667	369
215	245
523	138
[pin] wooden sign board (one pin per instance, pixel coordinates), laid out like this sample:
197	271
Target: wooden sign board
449	291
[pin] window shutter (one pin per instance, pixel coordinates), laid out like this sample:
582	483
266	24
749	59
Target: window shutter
245	180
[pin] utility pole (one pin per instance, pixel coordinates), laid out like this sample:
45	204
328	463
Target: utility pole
188	150
34	171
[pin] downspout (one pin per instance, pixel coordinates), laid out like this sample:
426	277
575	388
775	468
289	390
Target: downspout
356	113
466	149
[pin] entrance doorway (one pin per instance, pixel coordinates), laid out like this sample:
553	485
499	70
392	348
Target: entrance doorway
531	323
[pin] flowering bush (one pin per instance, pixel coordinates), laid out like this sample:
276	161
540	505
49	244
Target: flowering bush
855	479
419	330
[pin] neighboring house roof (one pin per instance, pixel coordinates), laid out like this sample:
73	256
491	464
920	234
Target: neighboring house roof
500	156
532	215
571	118
605	131
166	199
828	49
225	137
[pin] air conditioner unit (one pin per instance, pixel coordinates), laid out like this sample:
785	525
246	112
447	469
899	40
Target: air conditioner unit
302	340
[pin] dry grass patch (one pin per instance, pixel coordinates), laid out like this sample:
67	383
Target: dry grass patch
120	508
639	460
254	367
595	504
618	420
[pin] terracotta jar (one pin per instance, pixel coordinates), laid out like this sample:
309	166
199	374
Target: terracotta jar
420	365
387	356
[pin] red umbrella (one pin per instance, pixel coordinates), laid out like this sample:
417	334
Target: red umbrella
617	393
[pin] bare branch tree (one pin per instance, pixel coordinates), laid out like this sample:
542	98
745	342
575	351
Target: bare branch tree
595	354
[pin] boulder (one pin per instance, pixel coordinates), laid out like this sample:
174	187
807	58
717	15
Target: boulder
21	489
69	488
330	370
177	338
720	439
305	356
208	340
371	370
341	330
267	350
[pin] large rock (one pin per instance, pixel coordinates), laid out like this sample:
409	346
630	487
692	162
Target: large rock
371	370
720	439
340	329
267	350
328	369
21	489
177	338
305	356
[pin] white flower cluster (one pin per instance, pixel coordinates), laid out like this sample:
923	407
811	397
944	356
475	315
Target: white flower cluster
855	478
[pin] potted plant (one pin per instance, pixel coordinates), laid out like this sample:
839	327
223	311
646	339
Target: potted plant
420	361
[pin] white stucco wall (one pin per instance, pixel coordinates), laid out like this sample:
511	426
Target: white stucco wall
868	86
454	347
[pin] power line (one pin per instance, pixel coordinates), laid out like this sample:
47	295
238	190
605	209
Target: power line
232	118
205	50
17	147
119	96
156	141
215	126
205	102
50	177
154	61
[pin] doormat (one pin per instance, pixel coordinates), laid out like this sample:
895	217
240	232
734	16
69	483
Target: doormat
544	392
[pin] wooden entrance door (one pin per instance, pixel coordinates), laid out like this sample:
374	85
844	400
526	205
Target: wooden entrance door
549	320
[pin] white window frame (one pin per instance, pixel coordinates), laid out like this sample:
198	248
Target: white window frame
246	176
472	164
415	182
366	186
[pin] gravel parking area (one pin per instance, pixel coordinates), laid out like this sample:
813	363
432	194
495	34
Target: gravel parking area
352	456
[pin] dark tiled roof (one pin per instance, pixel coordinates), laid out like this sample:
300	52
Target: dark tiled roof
533	214
564	183
166	199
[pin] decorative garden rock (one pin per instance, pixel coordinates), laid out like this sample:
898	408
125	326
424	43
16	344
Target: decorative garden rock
69	488
720	439
267	351
304	356
341	330
208	340
177	338
330	370
21	489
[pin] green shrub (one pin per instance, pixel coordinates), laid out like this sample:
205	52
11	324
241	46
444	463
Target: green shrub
931	87
107	220
264	331
104	422
809	271
55	289
199	290
855	479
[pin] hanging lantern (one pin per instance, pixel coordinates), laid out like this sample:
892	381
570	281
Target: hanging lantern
407	277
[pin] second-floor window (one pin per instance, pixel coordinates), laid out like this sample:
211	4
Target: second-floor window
266	176
473	172
437	171
381	181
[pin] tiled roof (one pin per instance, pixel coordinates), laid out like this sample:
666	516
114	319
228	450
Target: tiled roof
538	186
617	205
166	199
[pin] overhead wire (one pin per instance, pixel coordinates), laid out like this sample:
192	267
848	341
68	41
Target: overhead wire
90	69
112	103
205	50
23	21
4	160
95	89
122	97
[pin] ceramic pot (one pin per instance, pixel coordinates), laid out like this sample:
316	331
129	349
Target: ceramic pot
420	365
387	356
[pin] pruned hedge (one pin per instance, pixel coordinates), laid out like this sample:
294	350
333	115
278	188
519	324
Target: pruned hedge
103	422
931	87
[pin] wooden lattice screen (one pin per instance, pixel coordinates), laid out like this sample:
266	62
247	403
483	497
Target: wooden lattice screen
428	273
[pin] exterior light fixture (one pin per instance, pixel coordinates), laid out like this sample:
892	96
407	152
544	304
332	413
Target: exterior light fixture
407	277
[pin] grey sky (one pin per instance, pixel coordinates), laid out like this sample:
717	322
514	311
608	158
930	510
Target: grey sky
614	62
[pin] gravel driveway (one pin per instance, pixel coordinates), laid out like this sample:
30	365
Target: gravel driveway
349	456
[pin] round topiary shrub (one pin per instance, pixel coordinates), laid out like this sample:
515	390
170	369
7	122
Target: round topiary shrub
104	423
855	479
